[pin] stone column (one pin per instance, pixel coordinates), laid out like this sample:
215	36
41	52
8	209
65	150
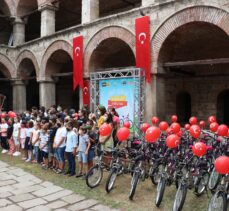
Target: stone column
48	19
47	92
90	10
19	96
146	3
18	31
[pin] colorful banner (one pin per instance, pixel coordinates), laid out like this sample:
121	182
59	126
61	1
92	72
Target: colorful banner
142	30
78	62
118	93
86	92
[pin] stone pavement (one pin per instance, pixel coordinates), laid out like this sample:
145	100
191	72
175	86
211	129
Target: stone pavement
20	190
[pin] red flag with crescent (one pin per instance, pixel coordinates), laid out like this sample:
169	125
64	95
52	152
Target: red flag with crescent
142	30
77	62
86	92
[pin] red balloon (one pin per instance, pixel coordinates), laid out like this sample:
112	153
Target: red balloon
222	130
187	126
172	141
175	127
163	126
228	133
214	126
11	114
174	118
126	124
211	119
169	131
180	133
105	129
193	120
199	149
195	131
202	124
123	134
152	134
222	164
3	115
144	127
155	120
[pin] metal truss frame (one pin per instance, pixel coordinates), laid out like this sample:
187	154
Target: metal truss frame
139	90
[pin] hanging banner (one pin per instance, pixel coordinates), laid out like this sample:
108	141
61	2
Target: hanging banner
142	30
86	92
78	62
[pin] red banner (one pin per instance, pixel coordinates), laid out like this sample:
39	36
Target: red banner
86	92
78	62
142	30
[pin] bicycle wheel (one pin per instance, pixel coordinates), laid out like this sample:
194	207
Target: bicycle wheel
201	184
111	180
160	190
180	197
155	175
94	176
213	180
134	183
218	202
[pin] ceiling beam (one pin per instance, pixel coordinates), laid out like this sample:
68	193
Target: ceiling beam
197	62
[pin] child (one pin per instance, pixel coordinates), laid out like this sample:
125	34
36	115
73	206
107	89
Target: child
28	141
71	149
83	147
44	137
9	137
3	130
16	136
36	142
22	135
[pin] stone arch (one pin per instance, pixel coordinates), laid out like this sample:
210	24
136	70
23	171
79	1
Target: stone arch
208	14
9	70
103	34
55	46
6	7
27	54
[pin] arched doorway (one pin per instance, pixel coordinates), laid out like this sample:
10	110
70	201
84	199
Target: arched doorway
5	87
194	57
5	25
183	106
59	67
28	11
111	53
223	107
27	73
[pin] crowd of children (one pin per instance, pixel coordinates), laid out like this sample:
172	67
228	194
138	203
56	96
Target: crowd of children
52	137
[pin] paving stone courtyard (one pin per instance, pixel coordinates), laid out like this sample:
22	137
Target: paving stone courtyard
20	190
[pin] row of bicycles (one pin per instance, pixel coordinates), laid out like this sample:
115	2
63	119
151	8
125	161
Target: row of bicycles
165	167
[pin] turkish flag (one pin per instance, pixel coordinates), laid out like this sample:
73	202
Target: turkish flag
86	92
142	30
78	62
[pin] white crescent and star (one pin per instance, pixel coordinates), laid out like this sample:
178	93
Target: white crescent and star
142	37
77	51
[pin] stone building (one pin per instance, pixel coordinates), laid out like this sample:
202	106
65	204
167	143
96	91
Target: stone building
189	51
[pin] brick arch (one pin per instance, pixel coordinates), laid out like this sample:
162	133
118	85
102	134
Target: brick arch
208	14
55	46
10	70
26	54
103	34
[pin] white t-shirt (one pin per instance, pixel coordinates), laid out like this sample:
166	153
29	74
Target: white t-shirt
61	133
23	133
17	126
36	134
4	128
44	141
29	131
